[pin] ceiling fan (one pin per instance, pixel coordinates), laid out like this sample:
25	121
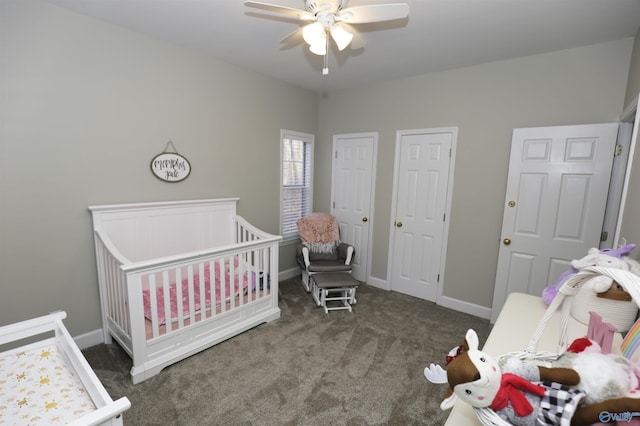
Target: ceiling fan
333	17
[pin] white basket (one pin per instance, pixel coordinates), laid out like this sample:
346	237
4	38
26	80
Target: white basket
621	313
566	294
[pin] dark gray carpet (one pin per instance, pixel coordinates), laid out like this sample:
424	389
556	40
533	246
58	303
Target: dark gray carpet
306	368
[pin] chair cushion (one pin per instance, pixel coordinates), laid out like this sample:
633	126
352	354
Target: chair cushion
328	266
329	280
315	256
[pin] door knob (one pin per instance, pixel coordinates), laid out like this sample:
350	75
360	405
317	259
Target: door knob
506	241
399	224
365	219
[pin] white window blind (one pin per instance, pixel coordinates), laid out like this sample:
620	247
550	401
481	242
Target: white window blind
297	164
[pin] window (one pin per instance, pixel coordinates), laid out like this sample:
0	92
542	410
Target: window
297	168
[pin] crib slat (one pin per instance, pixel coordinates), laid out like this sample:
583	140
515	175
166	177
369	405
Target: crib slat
202	281
118	292
190	293
212	289
223	285
179	297
153	300
232	284
266	272
126	318
166	294
247	274
112	288
251	275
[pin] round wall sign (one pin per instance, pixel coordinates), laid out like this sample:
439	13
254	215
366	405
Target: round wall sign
170	167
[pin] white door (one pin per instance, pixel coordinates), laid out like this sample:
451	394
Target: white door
555	203
352	194
423	160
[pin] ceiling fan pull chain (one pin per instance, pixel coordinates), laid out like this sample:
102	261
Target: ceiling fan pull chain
325	70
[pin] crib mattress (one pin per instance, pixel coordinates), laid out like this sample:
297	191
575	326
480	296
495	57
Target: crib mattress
38	387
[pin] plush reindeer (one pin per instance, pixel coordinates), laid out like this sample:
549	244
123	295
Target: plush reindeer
519	392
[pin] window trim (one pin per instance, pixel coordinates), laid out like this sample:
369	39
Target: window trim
307	138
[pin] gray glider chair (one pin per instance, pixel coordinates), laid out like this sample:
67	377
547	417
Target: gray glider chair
321	250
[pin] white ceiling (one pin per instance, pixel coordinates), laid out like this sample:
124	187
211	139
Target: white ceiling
438	35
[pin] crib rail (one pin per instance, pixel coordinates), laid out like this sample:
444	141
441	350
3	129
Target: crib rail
178	294
247	232
112	281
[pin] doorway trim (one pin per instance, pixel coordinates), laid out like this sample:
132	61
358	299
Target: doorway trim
630	114
449	197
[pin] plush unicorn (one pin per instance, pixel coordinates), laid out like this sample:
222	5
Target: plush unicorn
611	258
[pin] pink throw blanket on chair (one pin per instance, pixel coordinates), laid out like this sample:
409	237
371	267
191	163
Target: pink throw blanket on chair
319	231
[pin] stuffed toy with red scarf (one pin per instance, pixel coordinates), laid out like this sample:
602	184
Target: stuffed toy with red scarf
521	393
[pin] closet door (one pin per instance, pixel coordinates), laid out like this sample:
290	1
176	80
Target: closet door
554	206
421	194
352	194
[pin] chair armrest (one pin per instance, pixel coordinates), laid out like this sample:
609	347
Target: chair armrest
303	251
346	252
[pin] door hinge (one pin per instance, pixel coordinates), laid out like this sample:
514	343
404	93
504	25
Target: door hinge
438	279
449	152
444	217
336	155
618	150
334	204
604	235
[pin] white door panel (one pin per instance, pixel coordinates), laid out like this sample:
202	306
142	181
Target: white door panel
554	207
422	175
352	194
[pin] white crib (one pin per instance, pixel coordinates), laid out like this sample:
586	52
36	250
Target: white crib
49	381
178	277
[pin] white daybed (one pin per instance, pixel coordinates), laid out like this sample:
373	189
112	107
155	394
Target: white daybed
178	277
512	332
49	381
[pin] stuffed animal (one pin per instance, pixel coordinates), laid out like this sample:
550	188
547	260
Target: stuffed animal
603	376
521	393
618	258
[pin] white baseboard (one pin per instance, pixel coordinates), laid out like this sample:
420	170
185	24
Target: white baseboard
466	307
377	282
289	273
446	302
89	339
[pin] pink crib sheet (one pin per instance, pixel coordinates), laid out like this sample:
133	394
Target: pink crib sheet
198	305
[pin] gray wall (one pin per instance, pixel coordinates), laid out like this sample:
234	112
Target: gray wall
633	84
85	106
630	229
582	85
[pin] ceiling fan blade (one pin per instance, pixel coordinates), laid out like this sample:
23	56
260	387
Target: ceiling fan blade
294	37
303	15
373	13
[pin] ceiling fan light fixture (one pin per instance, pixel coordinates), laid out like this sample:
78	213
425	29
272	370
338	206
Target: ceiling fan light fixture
319	48
314	34
341	36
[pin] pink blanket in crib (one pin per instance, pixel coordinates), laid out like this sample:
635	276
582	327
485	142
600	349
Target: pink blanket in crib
229	281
